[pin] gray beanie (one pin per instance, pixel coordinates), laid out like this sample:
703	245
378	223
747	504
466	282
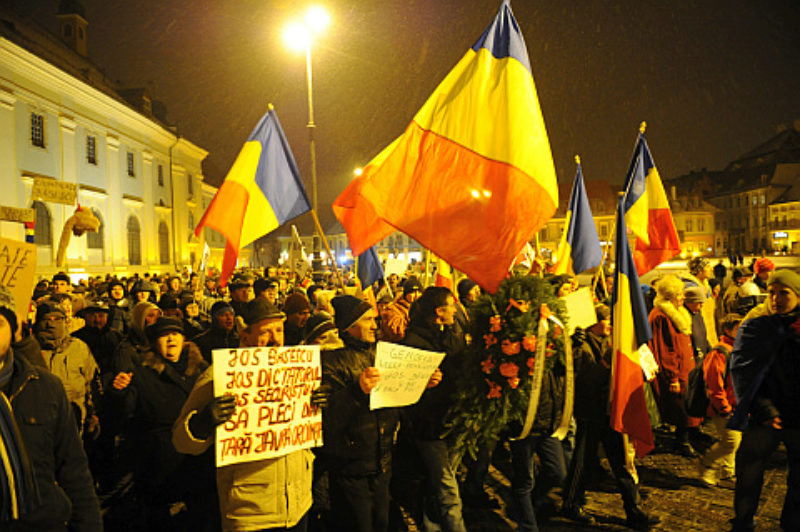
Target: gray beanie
787	278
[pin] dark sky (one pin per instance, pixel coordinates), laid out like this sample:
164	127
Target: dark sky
712	78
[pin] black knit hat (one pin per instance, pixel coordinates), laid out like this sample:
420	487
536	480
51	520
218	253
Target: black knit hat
296	303
316	326
464	287
115	282
220	307
349	310
168	302
61	276
411	284
162	326
261	309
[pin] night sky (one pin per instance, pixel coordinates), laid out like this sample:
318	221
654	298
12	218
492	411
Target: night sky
712	78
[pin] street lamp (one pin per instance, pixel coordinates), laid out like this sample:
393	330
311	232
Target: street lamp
299	37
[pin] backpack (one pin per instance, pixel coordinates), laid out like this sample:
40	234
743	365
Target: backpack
697	400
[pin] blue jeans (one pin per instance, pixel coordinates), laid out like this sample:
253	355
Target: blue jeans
443	502
552	473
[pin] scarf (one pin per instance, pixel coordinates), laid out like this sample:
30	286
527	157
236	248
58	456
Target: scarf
679	316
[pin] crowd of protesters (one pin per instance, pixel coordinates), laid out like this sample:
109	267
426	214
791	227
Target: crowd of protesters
108	415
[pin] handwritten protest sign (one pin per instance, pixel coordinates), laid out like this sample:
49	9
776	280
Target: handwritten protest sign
272	386
15	214
54	191
17	269
398	266
405	372
580	310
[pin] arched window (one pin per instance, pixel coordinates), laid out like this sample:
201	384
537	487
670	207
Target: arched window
42	230
134	242
163	243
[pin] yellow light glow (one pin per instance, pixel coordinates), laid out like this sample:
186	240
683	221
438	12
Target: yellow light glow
487	194
358	171
297	37
317	18
476	194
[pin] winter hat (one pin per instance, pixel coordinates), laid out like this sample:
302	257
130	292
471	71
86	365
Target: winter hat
168	302
186	300
262	285
261	309
694	294
61	276
464	287
162	326
763	265
602	312
740	271
349	310
697	264
296	303
138	313
411	284
221	306
95	306
7	307
787	278
46	308
144	286
317	325
241	280
114	283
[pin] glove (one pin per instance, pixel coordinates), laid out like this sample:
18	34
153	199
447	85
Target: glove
578	338
218	411
320	396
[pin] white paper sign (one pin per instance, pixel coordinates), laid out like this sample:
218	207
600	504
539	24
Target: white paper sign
272	386
580	310
405	372
398	266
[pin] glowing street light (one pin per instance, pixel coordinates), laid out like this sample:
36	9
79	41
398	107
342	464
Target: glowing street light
358	171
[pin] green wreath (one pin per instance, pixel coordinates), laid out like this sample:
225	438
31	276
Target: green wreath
494	388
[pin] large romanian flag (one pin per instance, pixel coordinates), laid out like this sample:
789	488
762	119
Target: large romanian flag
631	330
579	248
472	177
262	191
647	212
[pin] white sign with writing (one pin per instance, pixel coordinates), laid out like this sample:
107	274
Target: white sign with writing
580	310
272	386
17	269
404	371
398	266
54	191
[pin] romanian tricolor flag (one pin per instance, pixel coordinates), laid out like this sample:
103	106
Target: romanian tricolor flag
631	330
444	274
262	191
579	248
472	177
369	270
647	211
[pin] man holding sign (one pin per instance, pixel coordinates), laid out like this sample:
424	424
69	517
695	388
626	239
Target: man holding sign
274	493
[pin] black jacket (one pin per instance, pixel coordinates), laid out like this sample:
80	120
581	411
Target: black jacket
358	441
215	338
60	467
592	377
427	416
102	343
551	402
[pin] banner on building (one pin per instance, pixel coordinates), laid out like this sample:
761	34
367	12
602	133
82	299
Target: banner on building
54	191
274	416
17	270
15	214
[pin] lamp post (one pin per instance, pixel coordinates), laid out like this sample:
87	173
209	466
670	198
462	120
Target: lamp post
299	37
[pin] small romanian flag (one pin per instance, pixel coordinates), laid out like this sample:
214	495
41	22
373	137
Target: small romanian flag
579	249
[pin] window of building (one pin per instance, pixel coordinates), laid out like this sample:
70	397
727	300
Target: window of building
37	130
95	240
91	149
190	184
689	225
603	230
163	243
160	175
755	199
763	199
134	242
701	225
131	167
42	229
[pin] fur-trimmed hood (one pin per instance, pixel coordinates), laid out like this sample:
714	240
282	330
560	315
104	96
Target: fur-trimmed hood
680	317
195	364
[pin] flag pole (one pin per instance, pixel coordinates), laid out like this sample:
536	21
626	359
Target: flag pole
427	267
328	249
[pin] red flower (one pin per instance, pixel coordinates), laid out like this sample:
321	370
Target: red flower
530	363
529	343
551	350
556	331
490	340
487	365
510	348
544	311
509	369
495	322
513	382
494	390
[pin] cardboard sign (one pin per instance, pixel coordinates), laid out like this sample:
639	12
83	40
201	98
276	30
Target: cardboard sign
15	214
46	189
580	310
398	266
274	416
17	269
405	372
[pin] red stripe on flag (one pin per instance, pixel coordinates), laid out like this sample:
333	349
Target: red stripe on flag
664	241
628	406
226	215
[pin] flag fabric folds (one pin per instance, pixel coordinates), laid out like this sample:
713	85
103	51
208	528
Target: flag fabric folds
262	191
444	274
472	177
631	330
579	249
647	212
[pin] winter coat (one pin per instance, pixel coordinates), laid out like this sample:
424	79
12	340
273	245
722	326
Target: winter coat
61	470
426	417
271	493
722	400
102	343
73	363
708	309
357	441
765	370
672	343
592	377
153	401
215	338
120	316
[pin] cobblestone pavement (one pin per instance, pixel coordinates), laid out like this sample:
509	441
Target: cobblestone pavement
670	490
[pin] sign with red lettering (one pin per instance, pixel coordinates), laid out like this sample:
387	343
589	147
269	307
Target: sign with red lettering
272	386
